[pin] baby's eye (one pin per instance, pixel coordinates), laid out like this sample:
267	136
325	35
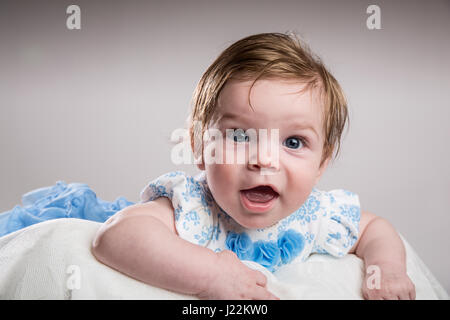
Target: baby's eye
293	143
238	135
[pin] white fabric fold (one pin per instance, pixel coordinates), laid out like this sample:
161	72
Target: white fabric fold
52	260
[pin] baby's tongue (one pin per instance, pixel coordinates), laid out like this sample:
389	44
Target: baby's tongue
260	194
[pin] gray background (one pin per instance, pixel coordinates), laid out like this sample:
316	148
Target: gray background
98	105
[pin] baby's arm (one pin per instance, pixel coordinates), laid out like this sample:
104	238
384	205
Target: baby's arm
141	241
379	245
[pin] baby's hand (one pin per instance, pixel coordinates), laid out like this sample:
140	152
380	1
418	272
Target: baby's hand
391	285
234	280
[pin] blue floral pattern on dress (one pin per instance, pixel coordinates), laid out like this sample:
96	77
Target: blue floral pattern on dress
327	223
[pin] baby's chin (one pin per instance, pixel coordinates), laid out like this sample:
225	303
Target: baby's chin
255	220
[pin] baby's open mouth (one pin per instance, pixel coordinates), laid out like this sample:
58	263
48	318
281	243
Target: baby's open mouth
259	199
260	194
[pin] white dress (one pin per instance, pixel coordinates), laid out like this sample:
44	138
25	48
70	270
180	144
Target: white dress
328	222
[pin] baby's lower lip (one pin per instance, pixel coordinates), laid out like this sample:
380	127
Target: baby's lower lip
257	207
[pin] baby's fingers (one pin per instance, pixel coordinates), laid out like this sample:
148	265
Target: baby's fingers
261	279
390	297
409	293
404	296
412	294
264	294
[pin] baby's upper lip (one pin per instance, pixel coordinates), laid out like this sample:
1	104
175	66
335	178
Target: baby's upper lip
264	184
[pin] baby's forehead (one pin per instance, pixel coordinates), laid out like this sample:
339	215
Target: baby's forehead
286	99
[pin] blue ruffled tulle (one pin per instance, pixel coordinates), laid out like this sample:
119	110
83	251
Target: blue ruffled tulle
74	200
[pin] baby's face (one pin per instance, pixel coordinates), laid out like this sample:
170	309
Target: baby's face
277	104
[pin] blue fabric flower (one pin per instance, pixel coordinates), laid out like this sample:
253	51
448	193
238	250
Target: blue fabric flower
240	244
291	243
266	253
269	254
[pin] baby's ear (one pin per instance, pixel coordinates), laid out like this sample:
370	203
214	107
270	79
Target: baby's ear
197	153
198	159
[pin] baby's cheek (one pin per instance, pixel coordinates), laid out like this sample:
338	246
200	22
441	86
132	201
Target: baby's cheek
220	177
221	195
298	189
294	200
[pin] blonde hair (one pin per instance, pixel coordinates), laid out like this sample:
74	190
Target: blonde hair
264	56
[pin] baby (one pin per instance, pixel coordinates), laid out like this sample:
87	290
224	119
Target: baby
190	234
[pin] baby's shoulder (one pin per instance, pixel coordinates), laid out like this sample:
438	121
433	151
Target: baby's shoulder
188	193
333	197
195	213
326	205
336	205
160	208
174	183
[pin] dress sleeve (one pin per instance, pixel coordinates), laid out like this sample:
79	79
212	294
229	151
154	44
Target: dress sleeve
339	226
191	202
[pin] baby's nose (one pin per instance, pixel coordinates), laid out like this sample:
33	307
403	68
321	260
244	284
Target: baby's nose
264	161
